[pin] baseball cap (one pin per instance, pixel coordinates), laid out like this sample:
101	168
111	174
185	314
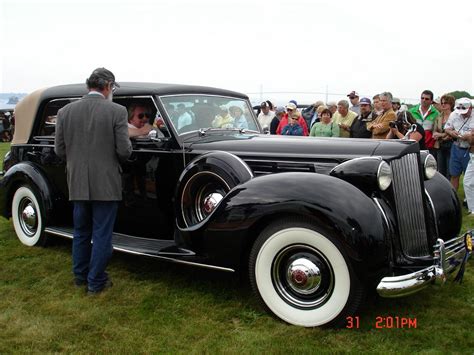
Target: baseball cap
365	100
294	102
353	94
105	74
395	100
291	106
462	105
279	109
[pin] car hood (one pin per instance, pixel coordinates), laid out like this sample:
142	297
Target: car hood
299	148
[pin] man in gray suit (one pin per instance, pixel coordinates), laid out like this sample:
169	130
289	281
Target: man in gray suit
92	136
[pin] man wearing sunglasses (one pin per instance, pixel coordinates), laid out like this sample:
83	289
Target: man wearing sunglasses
460	126
91	135
425	114
139	120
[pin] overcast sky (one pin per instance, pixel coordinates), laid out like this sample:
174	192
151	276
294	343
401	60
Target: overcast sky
250	46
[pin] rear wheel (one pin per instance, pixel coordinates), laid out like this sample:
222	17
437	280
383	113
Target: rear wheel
302	275
28	218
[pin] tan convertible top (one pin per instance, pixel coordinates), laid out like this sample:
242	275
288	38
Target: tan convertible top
25	114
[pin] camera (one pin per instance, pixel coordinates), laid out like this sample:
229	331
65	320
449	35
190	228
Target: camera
397	124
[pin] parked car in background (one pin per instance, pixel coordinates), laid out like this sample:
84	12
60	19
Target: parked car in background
315	222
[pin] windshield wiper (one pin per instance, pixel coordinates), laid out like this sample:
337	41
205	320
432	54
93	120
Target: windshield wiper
202	131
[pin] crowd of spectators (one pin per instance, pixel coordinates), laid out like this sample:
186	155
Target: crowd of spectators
444	126
7	125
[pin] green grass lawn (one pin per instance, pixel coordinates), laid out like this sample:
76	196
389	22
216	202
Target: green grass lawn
161	307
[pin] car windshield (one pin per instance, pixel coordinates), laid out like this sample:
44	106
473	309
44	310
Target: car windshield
195	112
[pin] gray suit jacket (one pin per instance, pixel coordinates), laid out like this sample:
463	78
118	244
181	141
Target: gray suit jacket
92	136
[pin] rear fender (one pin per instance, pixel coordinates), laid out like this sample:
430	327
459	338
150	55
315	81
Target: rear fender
21	174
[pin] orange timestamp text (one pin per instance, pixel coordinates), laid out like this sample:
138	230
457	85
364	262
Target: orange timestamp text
384	322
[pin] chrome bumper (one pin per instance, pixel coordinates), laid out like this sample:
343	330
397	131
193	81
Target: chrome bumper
448	256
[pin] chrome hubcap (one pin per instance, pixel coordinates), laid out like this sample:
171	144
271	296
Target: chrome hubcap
211	201
28	217
303	276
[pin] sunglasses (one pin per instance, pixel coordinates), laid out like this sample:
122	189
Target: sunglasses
462	107
426	98
143	115
444	103
289	109
113	87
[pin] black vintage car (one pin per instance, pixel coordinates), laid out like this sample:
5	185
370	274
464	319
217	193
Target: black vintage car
316	222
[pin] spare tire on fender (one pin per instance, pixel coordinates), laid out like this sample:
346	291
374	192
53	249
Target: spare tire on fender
205	182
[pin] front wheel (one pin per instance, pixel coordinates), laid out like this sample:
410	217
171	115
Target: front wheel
302	275
28	219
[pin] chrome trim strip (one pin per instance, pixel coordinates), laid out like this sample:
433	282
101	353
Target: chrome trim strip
240	160
58	233
213	267
381	210
359	158
430	200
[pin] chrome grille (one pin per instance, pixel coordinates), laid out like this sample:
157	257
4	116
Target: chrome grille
408	192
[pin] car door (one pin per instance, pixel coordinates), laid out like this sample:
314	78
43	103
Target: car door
149	178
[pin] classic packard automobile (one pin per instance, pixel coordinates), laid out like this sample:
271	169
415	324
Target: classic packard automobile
316	222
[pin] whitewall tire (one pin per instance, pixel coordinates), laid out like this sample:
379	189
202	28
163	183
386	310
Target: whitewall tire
302	276
27	215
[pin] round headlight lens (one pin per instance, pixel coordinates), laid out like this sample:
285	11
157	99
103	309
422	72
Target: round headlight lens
430	166
384	176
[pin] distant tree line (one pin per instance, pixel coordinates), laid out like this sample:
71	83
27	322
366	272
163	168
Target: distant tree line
459	94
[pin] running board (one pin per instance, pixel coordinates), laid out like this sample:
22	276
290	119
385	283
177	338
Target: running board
135	245
163	249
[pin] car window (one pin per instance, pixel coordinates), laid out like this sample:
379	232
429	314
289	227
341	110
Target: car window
48	120
193	112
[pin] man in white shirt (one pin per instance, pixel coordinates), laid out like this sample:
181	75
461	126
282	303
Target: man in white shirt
460	126
354	97
266	115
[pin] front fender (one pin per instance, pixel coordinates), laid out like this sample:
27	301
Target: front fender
20	174
334	205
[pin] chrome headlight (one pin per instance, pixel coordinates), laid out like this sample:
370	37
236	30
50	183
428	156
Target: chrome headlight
384	176
430	166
